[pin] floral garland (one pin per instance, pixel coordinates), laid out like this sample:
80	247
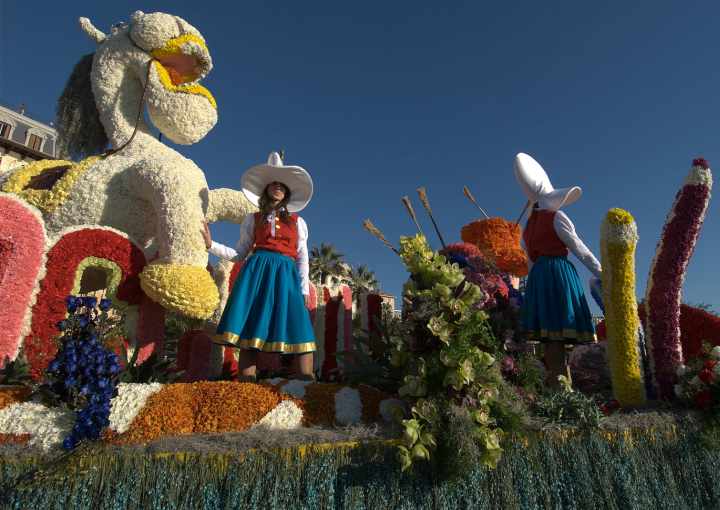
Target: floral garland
46	199
664	290
75	246
22	265
618	240
499	241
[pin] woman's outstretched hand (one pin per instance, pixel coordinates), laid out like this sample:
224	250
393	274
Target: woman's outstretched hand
206	235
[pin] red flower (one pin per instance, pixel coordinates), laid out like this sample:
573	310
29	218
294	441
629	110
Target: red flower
700	162
710	364
706	376
704	399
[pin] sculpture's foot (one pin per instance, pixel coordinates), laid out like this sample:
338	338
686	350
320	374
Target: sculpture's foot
185	289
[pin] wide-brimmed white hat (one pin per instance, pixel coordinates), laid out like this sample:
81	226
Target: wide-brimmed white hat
536	185
298	181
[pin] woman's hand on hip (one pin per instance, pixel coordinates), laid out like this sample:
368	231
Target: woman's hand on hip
206	235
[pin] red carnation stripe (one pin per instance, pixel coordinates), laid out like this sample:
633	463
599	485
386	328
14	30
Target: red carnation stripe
701	162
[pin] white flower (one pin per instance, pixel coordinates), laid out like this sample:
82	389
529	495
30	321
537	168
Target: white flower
681	370
715	353
678	390
348	406
48	427
286	415
130	400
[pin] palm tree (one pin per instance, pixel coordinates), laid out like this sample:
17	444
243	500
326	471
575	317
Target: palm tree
326	262
362	280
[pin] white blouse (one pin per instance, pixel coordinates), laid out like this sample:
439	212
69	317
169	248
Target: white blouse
565	230
247	239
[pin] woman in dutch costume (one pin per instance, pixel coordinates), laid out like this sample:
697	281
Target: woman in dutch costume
267	309
555	310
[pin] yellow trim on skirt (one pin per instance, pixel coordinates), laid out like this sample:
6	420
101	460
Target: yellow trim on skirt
232	340
566	335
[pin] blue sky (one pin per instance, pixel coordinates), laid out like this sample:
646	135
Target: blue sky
377	98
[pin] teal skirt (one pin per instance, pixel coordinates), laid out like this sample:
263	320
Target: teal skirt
555	308
266	309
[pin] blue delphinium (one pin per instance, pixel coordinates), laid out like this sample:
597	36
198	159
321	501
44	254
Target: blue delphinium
83	373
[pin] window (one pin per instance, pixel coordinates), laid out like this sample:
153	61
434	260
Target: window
5	130
35	142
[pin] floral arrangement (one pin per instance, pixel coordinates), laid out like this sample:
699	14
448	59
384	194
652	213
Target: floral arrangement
499	241
445	362
75	250
479	271
699	381
618	239
667	272
22	265
82	375
140	413
696	325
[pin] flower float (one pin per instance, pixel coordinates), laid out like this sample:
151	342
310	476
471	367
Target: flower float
618	239
499	241
22	264
667	272
140	186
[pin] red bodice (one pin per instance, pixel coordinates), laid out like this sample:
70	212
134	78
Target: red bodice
286	235
540	236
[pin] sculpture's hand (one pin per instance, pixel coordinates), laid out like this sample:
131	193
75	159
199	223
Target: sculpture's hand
206	235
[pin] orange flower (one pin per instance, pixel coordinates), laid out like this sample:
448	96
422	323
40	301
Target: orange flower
14	438
318	405
202	408
13	395
499	241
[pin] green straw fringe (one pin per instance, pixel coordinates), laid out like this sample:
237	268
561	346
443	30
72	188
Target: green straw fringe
547	470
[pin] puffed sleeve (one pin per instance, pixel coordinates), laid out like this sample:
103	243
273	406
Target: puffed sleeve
302	260
243	246
565	230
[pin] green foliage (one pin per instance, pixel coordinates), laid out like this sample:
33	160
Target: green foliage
153	369
370	360
570	407
447	352
530	375
16	372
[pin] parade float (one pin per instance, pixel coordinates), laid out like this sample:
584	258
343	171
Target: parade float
443	407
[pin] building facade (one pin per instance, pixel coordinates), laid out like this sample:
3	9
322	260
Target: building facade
23	139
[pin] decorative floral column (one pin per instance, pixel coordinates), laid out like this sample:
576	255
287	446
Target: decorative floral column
667	273
618	239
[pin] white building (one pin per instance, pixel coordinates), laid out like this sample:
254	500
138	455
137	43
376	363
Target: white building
23	139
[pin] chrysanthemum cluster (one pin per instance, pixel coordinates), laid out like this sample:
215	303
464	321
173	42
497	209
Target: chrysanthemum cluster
83	372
